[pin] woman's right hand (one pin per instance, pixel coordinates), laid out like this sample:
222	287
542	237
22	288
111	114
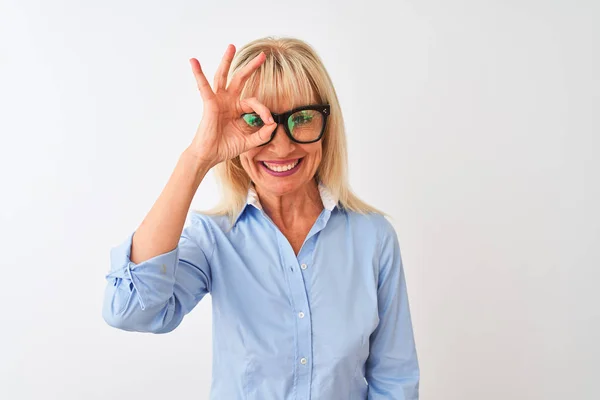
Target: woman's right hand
222	133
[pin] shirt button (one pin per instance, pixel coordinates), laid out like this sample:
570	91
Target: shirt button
303	360
301	314
303	266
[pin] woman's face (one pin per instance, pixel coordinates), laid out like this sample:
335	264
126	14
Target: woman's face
280	154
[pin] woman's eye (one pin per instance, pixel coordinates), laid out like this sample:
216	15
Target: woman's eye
253	120
301	119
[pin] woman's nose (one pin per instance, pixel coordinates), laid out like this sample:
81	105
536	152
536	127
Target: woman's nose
281	141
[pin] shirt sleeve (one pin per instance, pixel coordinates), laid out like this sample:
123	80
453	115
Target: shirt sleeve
392	368
154	295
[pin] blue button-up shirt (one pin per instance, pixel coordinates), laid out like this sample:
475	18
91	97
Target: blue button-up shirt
331	323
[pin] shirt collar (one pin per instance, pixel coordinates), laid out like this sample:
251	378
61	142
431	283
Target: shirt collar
327	198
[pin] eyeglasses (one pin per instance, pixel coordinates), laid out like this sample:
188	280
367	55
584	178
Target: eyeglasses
304	124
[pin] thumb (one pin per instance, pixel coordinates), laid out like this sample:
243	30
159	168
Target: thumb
262	135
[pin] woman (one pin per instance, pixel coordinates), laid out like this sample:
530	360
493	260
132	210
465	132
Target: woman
307	284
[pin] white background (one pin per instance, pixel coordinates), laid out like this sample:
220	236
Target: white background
473	123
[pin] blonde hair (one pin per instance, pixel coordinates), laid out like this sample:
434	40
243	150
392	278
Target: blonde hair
292	71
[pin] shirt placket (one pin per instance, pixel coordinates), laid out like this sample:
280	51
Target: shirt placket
298	273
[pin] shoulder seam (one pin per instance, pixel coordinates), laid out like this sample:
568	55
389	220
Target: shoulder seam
207	224
380	250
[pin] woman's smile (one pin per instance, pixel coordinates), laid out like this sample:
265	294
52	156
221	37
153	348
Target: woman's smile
281	168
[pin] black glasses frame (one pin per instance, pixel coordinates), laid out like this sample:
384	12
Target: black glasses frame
283	117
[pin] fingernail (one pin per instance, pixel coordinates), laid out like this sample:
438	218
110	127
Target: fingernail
271	120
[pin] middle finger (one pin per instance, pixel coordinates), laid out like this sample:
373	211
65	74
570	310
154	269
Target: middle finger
242	75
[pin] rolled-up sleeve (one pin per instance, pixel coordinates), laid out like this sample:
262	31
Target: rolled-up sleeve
392	369
155	295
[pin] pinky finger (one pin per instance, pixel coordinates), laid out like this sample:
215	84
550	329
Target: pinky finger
203	85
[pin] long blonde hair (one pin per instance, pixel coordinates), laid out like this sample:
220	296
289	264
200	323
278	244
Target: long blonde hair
291	71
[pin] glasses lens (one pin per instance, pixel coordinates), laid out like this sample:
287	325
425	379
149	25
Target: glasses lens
253	121
306	125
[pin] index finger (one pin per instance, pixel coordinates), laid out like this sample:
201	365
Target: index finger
242	75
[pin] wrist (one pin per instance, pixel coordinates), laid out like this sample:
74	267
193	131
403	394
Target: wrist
199	162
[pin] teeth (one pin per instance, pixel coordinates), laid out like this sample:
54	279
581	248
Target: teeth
281	168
